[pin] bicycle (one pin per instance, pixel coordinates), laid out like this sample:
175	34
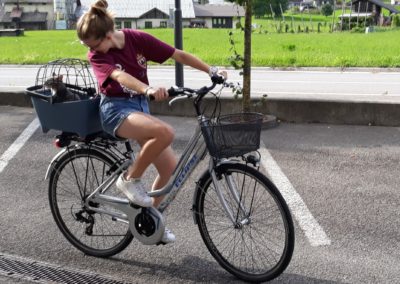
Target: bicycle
234	203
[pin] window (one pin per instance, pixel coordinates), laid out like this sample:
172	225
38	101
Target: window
148	25
127	25
118	25
222	22
163	24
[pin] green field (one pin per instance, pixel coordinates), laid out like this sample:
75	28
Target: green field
345	49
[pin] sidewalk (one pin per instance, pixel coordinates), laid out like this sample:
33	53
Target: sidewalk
297	106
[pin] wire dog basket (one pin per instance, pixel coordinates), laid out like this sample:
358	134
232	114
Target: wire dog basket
232	135
65	97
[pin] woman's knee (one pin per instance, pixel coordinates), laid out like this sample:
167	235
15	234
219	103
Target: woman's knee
166	133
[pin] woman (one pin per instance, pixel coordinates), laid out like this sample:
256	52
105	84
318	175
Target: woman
119	60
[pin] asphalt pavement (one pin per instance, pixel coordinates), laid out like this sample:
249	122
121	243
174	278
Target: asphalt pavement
340	181
339	177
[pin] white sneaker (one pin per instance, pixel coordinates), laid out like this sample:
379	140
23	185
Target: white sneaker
168	237
135	191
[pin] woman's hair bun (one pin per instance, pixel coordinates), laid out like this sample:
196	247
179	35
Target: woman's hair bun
99	7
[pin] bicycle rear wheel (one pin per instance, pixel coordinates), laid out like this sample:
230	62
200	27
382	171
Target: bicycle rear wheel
259	246
74	176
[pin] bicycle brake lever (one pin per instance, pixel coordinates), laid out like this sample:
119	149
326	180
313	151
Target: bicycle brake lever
177	98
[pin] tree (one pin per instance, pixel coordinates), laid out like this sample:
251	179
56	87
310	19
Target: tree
259	8
395	21
278	6
246	53
327	10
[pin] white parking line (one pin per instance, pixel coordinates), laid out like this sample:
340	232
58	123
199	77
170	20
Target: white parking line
18	143
313	231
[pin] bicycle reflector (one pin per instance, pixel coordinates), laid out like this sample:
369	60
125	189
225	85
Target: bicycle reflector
59	142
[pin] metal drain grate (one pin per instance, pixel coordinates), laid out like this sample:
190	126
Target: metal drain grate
17	267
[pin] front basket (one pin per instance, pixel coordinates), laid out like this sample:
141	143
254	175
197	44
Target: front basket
232	135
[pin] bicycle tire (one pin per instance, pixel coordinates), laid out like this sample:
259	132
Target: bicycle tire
76	174
258	251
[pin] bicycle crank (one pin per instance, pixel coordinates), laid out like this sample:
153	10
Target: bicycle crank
147	226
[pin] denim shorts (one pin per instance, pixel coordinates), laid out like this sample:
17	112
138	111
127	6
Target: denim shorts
114	110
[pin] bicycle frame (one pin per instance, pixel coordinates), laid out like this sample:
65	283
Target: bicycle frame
194	152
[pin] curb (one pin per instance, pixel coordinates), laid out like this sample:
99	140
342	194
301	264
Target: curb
287	110
302	111
16	98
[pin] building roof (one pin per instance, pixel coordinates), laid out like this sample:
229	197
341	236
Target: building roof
136	8
218	10
389	7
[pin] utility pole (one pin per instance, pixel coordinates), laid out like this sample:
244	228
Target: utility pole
178	41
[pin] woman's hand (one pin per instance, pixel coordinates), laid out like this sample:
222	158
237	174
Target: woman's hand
223	73
158	94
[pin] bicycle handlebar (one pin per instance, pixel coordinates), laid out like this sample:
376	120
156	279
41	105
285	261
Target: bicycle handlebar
177	91
182	92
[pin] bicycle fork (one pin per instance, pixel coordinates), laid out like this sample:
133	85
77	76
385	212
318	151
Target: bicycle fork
236	197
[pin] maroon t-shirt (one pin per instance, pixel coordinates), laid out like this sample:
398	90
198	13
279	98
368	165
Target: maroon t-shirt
139	48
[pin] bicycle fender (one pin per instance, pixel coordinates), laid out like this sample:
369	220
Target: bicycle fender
200	184
66	150
53	161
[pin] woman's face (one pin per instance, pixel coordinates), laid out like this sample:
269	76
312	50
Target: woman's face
100	45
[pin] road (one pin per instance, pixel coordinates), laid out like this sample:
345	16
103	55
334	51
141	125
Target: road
321	84
346	210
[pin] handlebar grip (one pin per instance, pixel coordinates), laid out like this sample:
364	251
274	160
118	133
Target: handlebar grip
218	79
172	92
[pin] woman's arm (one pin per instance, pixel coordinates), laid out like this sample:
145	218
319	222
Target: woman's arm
128	81
190	60
132	83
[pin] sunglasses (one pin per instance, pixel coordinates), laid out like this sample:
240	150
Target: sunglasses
94	46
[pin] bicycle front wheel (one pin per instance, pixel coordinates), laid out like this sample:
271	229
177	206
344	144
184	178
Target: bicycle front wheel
258	244
73	178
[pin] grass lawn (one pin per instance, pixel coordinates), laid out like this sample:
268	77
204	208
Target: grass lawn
379	49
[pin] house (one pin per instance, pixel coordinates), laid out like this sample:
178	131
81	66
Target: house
141	14
369	9
217	15
294	3
27	14
145	13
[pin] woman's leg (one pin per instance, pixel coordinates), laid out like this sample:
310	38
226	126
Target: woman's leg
165	165
153	135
